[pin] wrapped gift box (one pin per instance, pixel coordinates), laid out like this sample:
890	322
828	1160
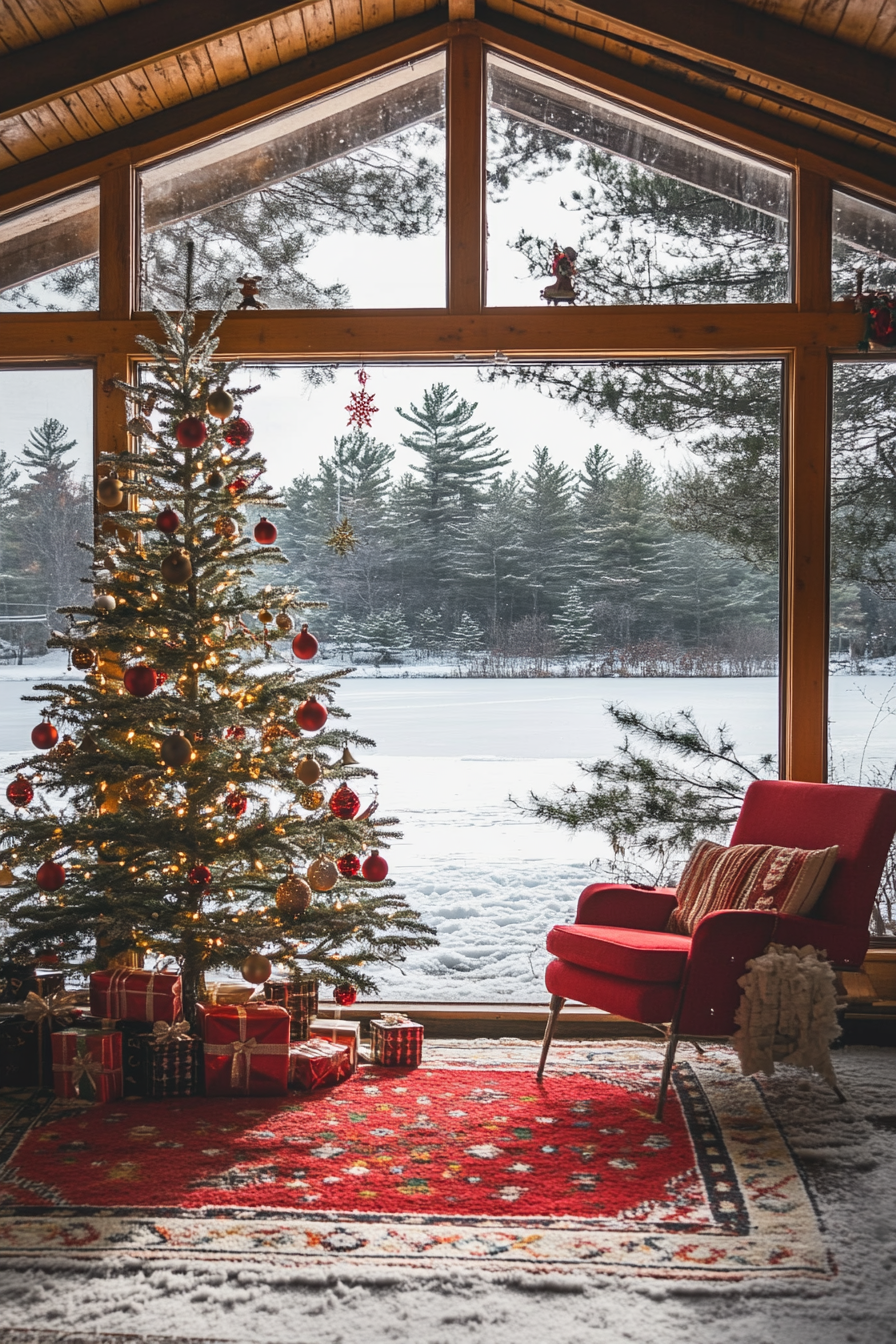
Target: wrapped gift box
18	980
318	1063
25	1054
396	1041
245	1049
87	1064
141	996
343	1033
299	998
170	1061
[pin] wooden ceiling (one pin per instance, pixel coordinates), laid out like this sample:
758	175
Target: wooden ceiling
73	72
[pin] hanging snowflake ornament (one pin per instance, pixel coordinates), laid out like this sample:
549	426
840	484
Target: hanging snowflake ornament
342	539
360	404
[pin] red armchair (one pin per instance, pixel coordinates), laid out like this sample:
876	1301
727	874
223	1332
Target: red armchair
618	957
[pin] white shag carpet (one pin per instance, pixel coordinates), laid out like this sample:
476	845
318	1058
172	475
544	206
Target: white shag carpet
848	1153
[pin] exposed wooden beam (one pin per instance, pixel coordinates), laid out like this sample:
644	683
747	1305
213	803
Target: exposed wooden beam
124	42
216	112
636	332
749	39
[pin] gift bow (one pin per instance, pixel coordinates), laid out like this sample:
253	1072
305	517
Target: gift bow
242	1054
395	1020
58	1006
163	1033
83	1066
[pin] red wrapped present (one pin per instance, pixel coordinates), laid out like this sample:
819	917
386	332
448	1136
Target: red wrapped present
318	1063
169	1061
144	996
396	1041
245	1049
87	1064
299	998
343	1033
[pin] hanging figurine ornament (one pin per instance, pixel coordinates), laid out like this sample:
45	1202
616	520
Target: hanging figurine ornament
342	539
110	491
293	896
311	715
167	521
264	532
220	404
304	646
361	409
65	749
249	290
345	803
191	432
20	792
347	757
239	432
44	736
563	268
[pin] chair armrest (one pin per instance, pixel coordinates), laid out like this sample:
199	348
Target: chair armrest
619	905
844	944
722	945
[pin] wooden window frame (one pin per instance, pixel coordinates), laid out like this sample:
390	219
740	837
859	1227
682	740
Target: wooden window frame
805	334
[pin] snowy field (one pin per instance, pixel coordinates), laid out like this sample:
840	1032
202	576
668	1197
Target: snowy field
452	753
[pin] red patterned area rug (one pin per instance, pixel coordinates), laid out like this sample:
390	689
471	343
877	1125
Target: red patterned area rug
464	1161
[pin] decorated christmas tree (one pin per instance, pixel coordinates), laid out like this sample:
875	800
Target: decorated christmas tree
193	797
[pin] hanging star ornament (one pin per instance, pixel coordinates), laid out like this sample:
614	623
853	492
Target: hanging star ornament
360	404
342	539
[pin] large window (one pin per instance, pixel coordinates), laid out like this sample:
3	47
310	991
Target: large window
49	256
340	203
654	215
864	239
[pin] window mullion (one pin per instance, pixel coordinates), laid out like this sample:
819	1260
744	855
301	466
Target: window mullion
466	174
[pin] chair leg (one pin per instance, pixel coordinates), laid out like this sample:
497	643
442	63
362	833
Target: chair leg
667	1074
550	1027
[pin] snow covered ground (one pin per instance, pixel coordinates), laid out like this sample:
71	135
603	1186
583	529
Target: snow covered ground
450	755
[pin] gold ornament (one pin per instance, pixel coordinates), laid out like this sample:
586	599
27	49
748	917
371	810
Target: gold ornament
176	750
272	731
265	616
177	568
323	874
311	799
109	491
226	527
308	770
347	757
256	969
6	876
342	539
83	658
293	895
65	749
284	621
220	404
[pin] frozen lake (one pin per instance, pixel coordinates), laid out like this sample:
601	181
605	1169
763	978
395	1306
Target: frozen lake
452	753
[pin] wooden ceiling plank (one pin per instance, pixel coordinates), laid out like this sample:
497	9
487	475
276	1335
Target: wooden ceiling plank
406	9
823	16
79	110
47	127
226	56
6	159
76	129
859	22
289	34
15	28
348	21
168	82
107	111
47	20
883	33
198	71
320	30
136	93
85	12
20	140
377	13
259	48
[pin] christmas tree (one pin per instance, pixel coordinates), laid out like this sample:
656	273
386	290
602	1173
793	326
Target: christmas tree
194	799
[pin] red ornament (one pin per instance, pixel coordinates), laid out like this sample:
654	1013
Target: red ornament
374	868
161	678
199	876
167	521
44	736
360	404
236	734
191	432
311	715
304	645
349	865
140	680
238	486
236	803
265	533
50	876
20	791
345	995
345	803
239	432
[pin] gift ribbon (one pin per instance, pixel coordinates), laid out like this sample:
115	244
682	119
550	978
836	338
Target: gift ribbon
59	1007
241	1052
395	1020
163	1033
82	1066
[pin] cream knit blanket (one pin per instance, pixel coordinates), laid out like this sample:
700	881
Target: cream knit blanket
788	1012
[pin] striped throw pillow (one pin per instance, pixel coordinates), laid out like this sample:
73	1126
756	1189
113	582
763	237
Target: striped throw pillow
749	877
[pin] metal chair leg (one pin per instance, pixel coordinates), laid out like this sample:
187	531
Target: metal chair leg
550	1027
667	1074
